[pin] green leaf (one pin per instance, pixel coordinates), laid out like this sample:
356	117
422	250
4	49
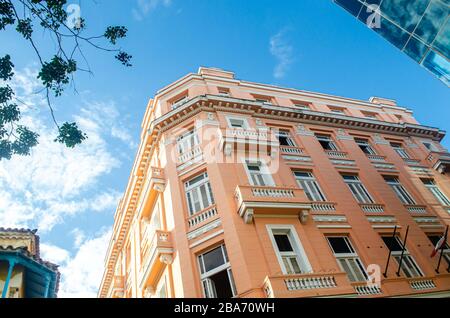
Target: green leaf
55	74
6	68
9	113
25	28
25	141
113	33
70	135
5	150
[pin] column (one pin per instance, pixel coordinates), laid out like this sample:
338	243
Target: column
8	278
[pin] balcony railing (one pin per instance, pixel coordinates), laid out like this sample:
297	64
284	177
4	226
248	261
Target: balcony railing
202	217
372	207
269	200
248	140
363	289
323	206
377	158
422	284
190	155
411	162
291	150
336	154
307	285
416	208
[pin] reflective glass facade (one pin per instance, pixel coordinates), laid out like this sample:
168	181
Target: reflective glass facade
420	28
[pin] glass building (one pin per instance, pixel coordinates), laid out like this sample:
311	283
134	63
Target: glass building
419	28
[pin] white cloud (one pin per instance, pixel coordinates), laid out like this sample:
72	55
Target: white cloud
146	6
283	51
81	274
54	182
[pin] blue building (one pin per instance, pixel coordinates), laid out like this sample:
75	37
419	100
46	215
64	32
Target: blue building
419	28
23	274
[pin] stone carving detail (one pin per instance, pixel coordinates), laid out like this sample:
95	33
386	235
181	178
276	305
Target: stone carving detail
303	131
342	135
379	140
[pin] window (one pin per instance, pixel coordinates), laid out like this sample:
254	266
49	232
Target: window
347	258
187	141
199	194
431	185
237	123
370	115
285	138
326	142
302	105
179	101
224	91
357	188
400	150
435	238
365	146
308	183
409	266
337	110
217	278
162	291
288	249
399	190
263	99
258	174
430	146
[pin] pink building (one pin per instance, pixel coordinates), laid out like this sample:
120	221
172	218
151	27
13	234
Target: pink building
242	189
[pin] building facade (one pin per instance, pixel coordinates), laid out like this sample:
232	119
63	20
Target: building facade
242	189
419	28
23	274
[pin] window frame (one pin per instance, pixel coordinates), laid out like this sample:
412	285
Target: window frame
310	181
436	192
286	134
297	246
264	173
327	138
400	150
204	277
362	142
189	188
406	256
189	140
244	120
348	256
361	189
400	190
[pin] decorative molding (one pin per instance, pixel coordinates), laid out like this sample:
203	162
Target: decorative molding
330	218
204	229
379	140
332	226
343	135
206	239
303	131
381	219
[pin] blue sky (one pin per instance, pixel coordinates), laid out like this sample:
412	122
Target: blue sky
311	44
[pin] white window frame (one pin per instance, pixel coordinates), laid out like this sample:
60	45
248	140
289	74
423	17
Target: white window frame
265	173
287	135
302	258
244	120
310	183
177	103
400	190
359	191
408	259
329	139
364	142
187	141
190	188
207	288
349	257
436	191
400	150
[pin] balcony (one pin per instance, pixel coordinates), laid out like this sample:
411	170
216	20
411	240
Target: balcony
253	200
376	158
157	252
440	161
365	290
118	287
307	285
155	184
289	150
334	154
318	206
411	162
247	140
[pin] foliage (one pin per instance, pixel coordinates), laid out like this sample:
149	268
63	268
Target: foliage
56	73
